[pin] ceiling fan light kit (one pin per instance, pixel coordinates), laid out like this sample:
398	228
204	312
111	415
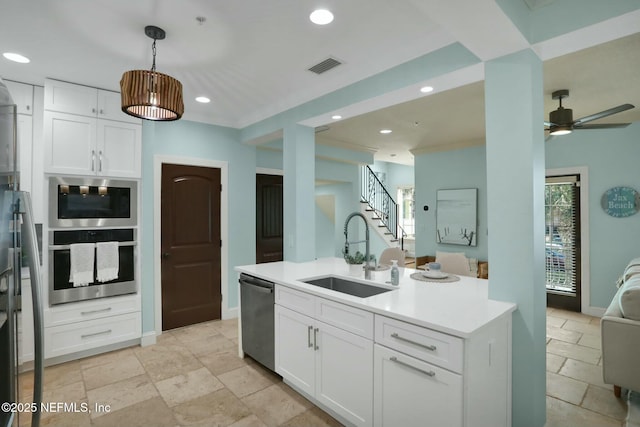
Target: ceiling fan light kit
561	120
148	94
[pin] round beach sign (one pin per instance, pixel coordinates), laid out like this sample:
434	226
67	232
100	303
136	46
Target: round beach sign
620	202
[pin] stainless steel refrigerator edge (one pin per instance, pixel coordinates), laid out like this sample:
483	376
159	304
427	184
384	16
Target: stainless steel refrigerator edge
18	245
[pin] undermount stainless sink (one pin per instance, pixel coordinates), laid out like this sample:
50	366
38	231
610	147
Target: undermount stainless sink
346	286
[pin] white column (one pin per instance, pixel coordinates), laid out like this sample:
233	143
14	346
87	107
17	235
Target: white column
515	204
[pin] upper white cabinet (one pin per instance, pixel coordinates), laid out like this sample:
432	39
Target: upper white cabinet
87	134
85	101
22	95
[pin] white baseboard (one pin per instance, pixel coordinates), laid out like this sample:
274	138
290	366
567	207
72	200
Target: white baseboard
230	313
594	311
148	338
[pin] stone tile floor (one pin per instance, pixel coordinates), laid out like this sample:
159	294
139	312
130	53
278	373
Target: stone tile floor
576	395
193	377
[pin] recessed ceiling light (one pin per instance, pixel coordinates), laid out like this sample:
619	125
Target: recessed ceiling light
385	131
336	117
203	99
321	17
392	155
426	89
16	57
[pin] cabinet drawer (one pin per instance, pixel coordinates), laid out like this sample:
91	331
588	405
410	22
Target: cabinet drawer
411	393
96	309
295	300
76	337
425	344
348	318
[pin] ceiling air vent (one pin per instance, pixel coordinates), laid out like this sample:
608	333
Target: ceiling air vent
325	65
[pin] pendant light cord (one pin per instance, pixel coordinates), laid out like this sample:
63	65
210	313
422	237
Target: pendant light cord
153	50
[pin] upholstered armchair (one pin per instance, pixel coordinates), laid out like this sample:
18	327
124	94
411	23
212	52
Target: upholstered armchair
620	330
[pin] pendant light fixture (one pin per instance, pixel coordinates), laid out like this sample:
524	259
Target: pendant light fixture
150	95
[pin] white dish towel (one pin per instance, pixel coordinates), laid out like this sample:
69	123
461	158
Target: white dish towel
107	258
82	260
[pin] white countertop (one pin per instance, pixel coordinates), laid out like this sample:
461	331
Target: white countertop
457	308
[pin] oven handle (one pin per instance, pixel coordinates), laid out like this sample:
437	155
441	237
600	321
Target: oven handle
63	247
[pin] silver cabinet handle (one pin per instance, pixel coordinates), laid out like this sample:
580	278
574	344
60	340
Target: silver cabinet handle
400	362
309	336
108	331
315	339
100	161
102	310
93	160
428	347
101	111
93	110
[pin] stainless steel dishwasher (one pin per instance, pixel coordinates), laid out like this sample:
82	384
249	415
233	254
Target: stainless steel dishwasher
256	314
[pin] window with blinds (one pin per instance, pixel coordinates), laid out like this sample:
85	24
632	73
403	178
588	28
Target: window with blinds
562	237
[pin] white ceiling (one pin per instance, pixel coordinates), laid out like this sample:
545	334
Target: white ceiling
598	78
251	58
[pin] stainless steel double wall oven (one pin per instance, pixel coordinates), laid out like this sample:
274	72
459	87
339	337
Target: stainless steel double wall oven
91	210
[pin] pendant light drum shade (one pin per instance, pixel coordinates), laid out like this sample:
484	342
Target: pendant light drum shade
151	95
148	94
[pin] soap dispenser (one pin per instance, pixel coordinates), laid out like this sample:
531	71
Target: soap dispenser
395	274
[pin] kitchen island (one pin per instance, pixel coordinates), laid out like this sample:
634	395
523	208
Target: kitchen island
423	353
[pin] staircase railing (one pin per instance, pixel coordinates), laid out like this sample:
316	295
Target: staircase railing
375	194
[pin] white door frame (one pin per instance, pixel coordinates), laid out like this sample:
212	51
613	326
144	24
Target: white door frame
585	282
158	161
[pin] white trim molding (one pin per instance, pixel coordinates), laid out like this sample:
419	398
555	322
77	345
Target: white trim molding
585	290
158	161
267	171
148	338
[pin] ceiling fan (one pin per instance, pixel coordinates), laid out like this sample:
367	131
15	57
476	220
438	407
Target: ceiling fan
561	120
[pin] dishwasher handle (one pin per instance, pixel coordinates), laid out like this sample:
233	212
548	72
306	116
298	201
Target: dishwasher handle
256	283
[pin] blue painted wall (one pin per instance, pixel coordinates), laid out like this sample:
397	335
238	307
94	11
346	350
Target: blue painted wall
201	141
442	170
611	157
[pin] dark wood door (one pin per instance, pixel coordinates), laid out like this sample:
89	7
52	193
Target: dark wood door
268	218
190	245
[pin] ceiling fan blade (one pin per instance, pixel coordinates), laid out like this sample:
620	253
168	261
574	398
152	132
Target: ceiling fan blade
602	126
549	124
605	113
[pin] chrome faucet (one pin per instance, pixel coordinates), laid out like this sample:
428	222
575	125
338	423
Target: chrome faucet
367	270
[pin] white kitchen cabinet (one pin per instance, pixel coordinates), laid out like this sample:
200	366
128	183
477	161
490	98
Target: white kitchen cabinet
426	377
328	364
119	149
22	95
81	336
344	367
295	351
87	134
411	393
87	101
82	326
80	145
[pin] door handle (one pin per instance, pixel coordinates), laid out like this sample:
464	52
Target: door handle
165	255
